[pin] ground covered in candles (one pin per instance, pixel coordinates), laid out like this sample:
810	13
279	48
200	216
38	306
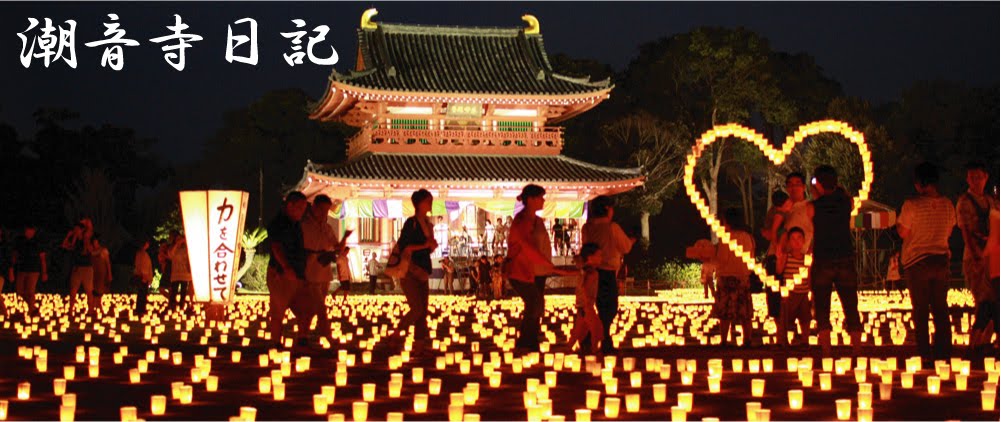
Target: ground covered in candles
668	347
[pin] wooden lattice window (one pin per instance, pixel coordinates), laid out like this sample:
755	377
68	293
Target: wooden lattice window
513	126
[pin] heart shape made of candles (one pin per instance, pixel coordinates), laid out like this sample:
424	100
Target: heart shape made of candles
777	157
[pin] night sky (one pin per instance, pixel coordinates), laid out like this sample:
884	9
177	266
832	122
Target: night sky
873	49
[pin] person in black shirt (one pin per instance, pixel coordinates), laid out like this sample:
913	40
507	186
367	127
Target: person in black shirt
30	266
417	239
77	242
833	258
287	265
483	276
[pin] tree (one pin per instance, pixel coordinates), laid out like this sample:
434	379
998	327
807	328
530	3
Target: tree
274	137
706	77
642	140
93	196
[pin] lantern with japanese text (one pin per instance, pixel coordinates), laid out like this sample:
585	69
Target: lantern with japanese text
213	225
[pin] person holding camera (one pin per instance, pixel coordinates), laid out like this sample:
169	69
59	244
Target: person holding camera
77	242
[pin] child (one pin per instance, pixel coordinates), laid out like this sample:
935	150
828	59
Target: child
733	299
797	305
773	231
587	320
343	273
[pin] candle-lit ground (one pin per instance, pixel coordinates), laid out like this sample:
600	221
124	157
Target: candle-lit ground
653	333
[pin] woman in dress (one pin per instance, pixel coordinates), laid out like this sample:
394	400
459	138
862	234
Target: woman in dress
417	240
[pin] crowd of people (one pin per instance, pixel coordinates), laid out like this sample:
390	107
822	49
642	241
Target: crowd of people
303	247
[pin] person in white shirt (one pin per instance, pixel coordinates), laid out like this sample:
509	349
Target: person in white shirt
373	272
614	243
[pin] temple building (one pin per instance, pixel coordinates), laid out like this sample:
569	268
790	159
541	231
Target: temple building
467	113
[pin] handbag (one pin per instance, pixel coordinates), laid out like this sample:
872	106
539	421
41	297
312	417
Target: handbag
398	264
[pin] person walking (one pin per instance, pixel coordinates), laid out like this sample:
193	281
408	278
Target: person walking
142	277
733	298
925	224
320	242
287	264
833	258
530	257
607	234
417	240
28	266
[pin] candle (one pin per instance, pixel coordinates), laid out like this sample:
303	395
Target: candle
827	364
885	391
359	410
795	399
472	393
792	364
825	381
685	401
3	410
417	375
757	387
582	415
278	392
142	366
420	403
844	409
860	375
394	417
211	383
335	417
495	379
768	365
864	400
93	371
177	356
632	403
264	385
534	413
368	392
591	399
687	377
24	391
987	398
763	415
59	386
434	386
157	405
129	413
933	384
737	365
69	372
714	383
248	413
636	379
754	365
186	394
659	393
612	386
394	388
455	413
341	378
960	382
611	407
907	379
752	408
66	413
236	356
320	404
678	414
864	414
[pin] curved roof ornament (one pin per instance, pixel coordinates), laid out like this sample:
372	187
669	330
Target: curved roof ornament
366	19
533	25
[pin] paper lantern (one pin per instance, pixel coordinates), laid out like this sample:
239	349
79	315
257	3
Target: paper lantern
612	407
69	372
4	404
128	413
864	399
213	225
795	399
885	391
757	387
751	409
864	414
582	415
186	394
24	391
685	401
417	375
763	415
960	382
69	399
591	399
420	403
278	392
987	398
714	383
678	414
359	410
934	384
368	392
211	383
844	409
455	412
320	404
157	405
66	413
58	386
248	413
632	403
394	417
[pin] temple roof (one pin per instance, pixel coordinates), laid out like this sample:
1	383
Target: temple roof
471	168
464	60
